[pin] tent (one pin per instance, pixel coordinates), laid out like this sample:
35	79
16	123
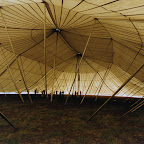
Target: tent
92	46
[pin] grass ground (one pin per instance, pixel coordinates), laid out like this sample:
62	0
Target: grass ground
45	123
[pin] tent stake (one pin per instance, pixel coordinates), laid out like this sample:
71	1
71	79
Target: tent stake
115	93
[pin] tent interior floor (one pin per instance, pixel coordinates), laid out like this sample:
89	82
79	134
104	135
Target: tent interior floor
55	123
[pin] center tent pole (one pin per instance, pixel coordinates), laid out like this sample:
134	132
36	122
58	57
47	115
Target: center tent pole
15	56
115	92
81	60
45	50
54	67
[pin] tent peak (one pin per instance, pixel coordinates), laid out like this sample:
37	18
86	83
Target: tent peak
79	54
57	30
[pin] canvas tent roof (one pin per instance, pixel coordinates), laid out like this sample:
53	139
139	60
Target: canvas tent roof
114	52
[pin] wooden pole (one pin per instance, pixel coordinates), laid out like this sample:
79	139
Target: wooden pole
54	67
88	88
15	55
102	81
72	86
138	106
135	92
135	108
136	102
3	90
11	75
24	81
6	119
41	73
115	93
45	61
81	60
96	72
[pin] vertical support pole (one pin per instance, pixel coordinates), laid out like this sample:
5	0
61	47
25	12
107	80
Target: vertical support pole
41	73
96	72
15	55
54	67
78	82
11	75
45	61
3	90
88	88
104	78
24	80
81	59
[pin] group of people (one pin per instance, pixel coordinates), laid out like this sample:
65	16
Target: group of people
60	94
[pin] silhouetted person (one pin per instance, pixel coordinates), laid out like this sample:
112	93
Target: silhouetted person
80	94
43	94
62	95
35	92
75	96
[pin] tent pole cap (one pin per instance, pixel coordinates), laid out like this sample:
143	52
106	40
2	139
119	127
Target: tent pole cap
79	54
57	30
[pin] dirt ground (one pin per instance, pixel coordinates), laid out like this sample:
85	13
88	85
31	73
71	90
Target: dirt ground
44	122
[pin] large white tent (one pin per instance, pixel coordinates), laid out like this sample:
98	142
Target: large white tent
92	46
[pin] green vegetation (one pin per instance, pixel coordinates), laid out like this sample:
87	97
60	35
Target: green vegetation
48	123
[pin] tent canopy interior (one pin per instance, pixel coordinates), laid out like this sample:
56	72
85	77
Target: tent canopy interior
92	46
